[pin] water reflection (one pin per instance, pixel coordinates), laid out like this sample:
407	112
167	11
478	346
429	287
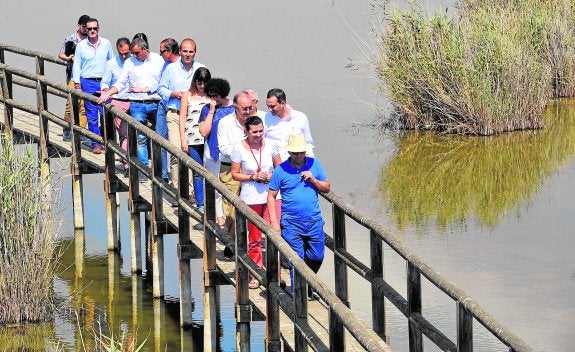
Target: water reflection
101	299
447	181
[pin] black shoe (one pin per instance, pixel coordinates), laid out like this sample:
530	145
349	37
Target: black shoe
228	253
199	227
143	178
126	172
67	135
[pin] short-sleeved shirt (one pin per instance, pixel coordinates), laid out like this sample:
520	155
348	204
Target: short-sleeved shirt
253	192
212	151
299	198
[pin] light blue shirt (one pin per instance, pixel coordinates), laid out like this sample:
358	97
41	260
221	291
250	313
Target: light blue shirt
136	73
90	61
176	78
113	72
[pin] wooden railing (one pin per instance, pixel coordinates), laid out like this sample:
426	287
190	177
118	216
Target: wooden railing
371	336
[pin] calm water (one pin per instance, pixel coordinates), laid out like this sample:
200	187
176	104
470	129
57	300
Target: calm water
492	214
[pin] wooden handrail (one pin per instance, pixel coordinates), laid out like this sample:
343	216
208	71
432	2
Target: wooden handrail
371	339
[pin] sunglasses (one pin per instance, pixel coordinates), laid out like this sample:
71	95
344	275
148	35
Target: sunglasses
92	28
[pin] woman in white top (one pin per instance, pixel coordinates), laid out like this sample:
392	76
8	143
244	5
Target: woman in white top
253	161
191	140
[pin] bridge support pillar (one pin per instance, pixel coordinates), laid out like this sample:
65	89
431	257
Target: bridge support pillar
133	205
210	287
184	239
110	186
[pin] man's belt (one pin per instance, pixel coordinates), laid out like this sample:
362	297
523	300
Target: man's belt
225	163
174	110
143	101
97	79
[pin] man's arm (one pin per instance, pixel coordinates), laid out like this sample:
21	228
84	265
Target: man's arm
320	186
225	135
272	194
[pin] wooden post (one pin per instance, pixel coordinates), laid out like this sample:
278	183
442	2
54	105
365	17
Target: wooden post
183	241
210	291
79	247
159	325
300	308
75	162
336	328
414	307
464	329
43	154
133	199
377	298
7	94
137	299
157	224
273	342
243	307
111	185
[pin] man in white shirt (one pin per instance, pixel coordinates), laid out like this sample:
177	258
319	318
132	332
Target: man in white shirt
141	74
111	75
231	130
282	121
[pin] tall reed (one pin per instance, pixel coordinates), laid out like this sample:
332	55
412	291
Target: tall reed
27	246
484	70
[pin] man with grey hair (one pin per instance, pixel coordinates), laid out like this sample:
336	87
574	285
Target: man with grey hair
141	74
255	100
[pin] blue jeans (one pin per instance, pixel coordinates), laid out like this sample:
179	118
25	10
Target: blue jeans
197	152
307	239
142	113
162	130
93	111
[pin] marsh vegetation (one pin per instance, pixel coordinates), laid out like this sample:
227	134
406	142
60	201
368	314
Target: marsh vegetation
486	68
27	246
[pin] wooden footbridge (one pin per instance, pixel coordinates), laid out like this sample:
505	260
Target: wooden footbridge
292	323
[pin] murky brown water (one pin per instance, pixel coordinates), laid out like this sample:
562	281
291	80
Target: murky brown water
492	214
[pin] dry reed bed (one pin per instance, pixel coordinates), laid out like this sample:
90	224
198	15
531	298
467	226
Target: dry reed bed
488	69
27	246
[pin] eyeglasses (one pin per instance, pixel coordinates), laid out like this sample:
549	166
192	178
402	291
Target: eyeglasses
163	51
92	28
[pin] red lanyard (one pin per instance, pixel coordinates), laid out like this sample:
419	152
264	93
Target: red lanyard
256	160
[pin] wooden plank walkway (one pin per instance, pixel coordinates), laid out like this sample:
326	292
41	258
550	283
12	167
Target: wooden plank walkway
318	316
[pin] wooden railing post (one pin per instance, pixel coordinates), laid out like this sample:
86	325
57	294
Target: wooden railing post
43	145
133	203
111	184
210	288
464	329
243	307
184	242
377	298
414	307
158	223
300	307
75	162
336	328
273	342
6	95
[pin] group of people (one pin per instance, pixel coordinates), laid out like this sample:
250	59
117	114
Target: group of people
265	157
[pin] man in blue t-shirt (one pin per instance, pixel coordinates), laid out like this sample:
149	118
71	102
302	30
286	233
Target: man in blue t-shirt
299	179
